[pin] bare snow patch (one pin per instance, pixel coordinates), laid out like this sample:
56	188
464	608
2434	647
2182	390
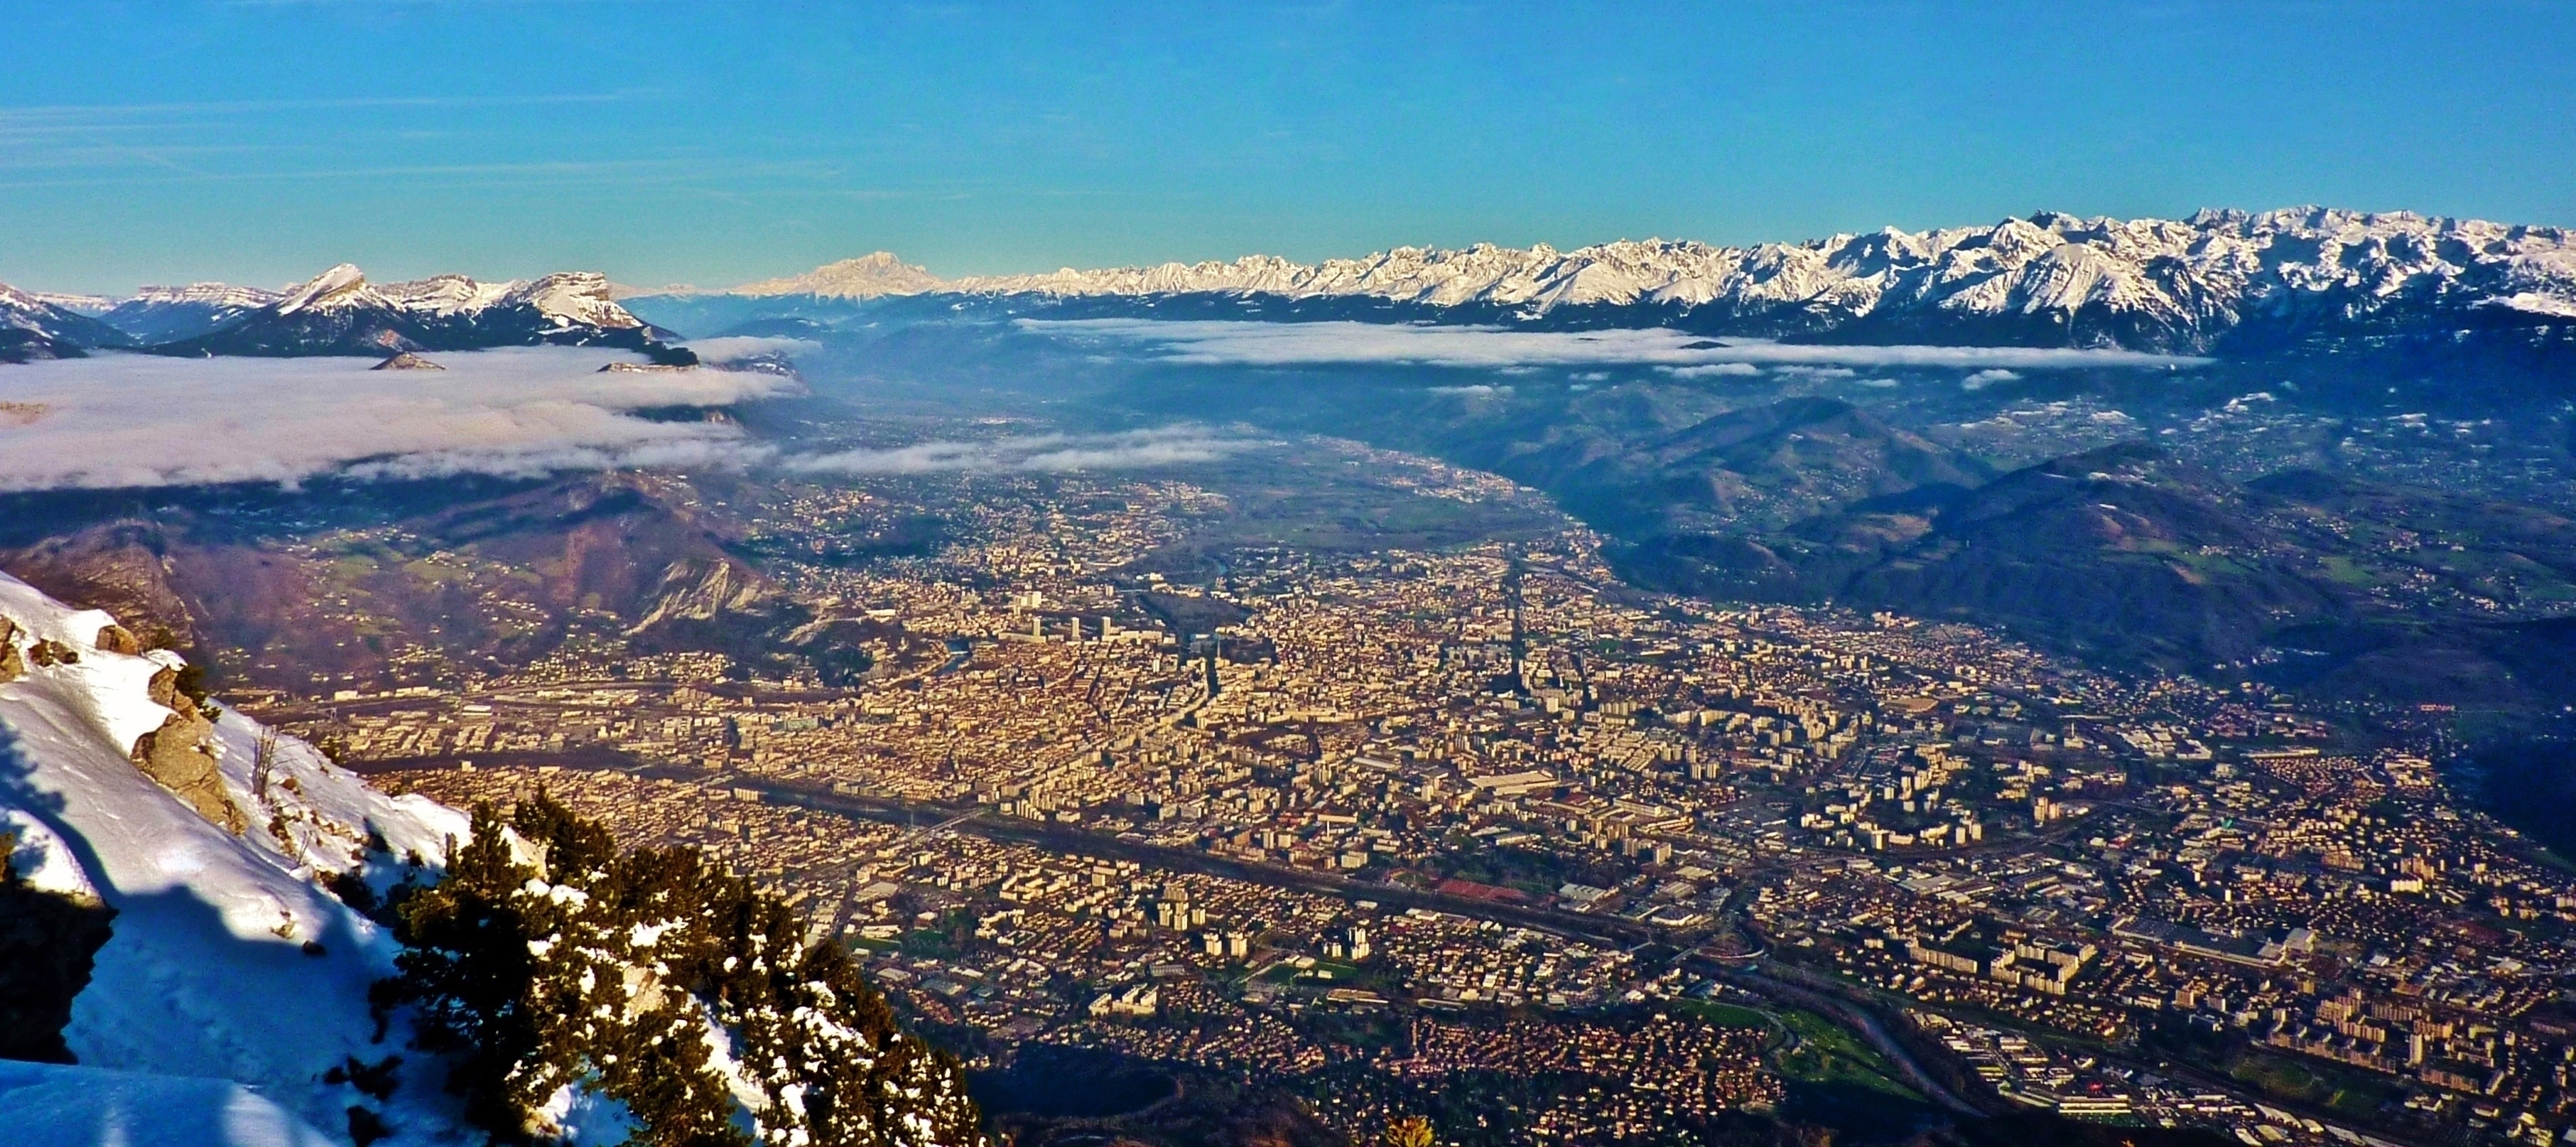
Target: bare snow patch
42	857
65	1106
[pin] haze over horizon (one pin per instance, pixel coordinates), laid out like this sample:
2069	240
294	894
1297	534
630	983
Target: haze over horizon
262	143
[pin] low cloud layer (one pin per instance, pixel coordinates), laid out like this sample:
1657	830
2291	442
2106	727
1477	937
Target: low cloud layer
1713	370
1038	452
137	420
1238	343
735	348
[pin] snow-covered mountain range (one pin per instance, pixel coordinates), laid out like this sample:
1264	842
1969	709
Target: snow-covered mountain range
34	326
337	312
341	312
2051	279
167	314
2217	282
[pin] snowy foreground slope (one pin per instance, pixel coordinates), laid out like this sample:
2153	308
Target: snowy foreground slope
229	963
44	1104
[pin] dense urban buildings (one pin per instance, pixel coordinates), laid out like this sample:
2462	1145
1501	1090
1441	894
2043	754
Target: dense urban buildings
1354	824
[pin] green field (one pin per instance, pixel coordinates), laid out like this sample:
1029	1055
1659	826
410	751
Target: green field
2303	1081
1729	1015
1826	1055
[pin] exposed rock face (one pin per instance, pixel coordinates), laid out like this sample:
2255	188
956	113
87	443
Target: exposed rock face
407	361
164	691
12	665
130	567
180	757
700	589
117	639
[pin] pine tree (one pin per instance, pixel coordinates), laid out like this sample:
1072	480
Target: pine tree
547	959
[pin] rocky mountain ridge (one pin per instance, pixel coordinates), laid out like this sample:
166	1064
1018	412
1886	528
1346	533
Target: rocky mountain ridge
33	327
339	312
167	314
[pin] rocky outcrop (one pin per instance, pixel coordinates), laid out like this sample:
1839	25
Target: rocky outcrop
164	691
117	639
129	567
180	756
406	361
703	589
13	665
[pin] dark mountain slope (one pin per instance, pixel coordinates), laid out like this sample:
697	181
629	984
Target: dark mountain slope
2128	556
1768	466
2121	551
423	585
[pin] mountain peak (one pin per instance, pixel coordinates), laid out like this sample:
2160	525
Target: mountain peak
339	284
341	312
866	277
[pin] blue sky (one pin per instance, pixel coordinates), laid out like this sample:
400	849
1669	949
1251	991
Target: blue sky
716	142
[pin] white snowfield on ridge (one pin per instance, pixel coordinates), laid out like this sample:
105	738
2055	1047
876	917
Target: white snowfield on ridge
571	298
2206	267
212	294
206	996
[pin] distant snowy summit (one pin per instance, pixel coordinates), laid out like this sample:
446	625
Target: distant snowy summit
2051	279
866	277
339	312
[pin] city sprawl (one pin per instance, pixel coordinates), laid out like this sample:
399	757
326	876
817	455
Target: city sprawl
1473	826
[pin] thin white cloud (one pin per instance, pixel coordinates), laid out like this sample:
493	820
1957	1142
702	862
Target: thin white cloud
735	348
1713	370
1134	449
1241	343
1985	378
138	420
